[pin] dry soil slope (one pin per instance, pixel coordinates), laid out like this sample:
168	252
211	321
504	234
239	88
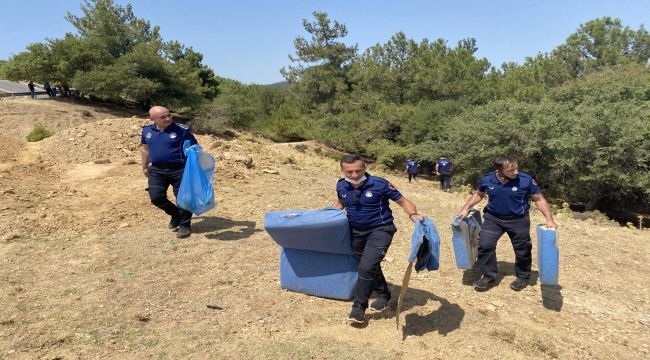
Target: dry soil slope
89	269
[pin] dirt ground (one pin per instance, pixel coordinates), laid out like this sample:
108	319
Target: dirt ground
89	270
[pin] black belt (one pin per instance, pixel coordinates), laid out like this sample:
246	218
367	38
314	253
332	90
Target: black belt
506	217
366	228
176	166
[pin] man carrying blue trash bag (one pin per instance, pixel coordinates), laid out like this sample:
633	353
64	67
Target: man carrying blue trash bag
196	193
172	156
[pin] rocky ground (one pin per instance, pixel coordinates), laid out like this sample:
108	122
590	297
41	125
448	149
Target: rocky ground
89	270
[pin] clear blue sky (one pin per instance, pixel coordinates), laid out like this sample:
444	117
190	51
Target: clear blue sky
250	40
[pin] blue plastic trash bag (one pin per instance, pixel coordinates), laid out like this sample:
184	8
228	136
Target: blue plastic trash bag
196	194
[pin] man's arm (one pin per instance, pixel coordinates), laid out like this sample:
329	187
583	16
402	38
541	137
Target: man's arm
338	204
476	197
542	205
144	152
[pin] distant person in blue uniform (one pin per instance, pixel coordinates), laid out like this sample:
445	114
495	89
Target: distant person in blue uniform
163	162
48	88
508	193
366	201
32	90
412	169
444	169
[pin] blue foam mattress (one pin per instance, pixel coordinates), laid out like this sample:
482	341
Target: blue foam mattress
318	273
548	255
316	251
324	230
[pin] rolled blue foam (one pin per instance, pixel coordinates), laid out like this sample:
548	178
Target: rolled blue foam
464	238
316	254
324	230
318	273
548	255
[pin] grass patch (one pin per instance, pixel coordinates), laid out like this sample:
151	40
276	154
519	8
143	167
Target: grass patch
504	335
126	273
38	133
289	160
301	148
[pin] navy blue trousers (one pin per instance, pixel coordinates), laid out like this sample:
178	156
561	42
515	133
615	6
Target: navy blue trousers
519	232
159	181
445	181
412	176
370	246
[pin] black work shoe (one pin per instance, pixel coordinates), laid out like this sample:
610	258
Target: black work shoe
183	232
380	304
484	283
173	223
519	284
357	315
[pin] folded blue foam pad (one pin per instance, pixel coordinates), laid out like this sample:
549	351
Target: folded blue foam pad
316	254
464	238
318	273
324	230
548	255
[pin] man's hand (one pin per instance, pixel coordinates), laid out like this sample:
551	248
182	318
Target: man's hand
416	217
550	224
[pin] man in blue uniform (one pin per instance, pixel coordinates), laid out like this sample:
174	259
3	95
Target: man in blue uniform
508	192
444	168
412	169
365	198
163	162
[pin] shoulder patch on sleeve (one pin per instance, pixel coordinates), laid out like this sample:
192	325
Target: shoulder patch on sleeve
183	126
391	186
534	182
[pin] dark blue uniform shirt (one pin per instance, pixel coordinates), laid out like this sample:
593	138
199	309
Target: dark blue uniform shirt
511	198
166	146
444	166
367	206
412	166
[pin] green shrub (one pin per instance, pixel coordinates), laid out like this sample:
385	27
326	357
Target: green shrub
38	133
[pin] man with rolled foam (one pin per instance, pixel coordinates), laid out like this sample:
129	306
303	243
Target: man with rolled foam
366	200
507	209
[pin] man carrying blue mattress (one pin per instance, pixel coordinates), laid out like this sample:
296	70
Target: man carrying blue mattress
365	199
508	193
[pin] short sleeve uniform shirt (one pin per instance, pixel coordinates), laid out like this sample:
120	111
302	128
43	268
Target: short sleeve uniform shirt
368	206
511	198
166	146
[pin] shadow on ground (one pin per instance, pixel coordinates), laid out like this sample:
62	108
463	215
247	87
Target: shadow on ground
218	228
552	298
445	319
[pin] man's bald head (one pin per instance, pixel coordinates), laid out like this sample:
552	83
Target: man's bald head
160	116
